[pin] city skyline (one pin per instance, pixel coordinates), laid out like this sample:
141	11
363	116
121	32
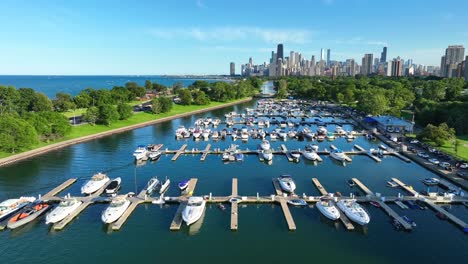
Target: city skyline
202	36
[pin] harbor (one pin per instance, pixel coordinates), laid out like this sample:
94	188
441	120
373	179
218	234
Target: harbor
258	210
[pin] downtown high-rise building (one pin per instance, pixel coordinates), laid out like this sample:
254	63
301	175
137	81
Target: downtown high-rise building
328	57
367	64
449	63
383	55
322	54
397	67
279	52
232	69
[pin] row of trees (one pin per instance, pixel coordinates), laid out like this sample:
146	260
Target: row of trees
433	100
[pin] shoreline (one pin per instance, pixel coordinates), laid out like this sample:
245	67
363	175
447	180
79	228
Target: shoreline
39	151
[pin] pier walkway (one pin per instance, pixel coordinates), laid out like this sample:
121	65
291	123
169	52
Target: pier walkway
284	205
177	221
234	206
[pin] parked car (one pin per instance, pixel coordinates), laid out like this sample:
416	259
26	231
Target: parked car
464	166
414	141
434	161
444	164
423	155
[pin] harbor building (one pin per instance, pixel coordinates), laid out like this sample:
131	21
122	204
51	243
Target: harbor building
390	124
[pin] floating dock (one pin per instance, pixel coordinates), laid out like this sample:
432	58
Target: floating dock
344	219
179	152
367	153
450	216
205	152
134	203
234	206
287	153
177	221
58	189
405	187
284	206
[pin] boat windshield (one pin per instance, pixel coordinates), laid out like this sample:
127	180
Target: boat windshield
117	203
3	208
66	203
195	204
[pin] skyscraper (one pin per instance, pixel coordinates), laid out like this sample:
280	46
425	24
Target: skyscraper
322	54
397	67
453	56
232	67
383	55
367	62
279	52
465	68
328	57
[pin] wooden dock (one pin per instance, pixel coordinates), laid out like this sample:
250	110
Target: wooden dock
177	220
450	216
234	206
287	153
405	187
367	153
383	205
59	188
117	225
205	152
179	152
284	206
344	219
398	155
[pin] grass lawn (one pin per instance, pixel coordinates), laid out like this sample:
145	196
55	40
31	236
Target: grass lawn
81	111
137	118
462	152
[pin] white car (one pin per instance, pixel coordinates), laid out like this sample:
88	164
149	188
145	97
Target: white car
414	141
444	164
464	166
423	155
434	161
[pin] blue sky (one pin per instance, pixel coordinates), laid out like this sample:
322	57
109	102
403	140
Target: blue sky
203	36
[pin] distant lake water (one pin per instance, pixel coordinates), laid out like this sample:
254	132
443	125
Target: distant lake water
50	85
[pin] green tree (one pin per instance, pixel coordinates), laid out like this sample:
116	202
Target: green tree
156	106
9	97
62	102
59	125
91	115
148	85
16	134
107	114
438	134
159	87
282	89
26	98
185	97
176	87
82	100
166	104
125	111
120	94
200	98
373	101
41	103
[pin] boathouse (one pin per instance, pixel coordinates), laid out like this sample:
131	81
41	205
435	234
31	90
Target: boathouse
390	124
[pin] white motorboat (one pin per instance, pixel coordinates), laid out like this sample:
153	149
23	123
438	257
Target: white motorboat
154	155
245	136
297	202
95	183
140	152
164	185
197	133
226	156
10	206
287	183
392	184
194	209
339	130
338	155
65	208
328	209
350	135
113	186
206	134
431	181
283	135
273	136
314	147
354	211
28	214
295	155
115	209
234	135
215	135
267	154
310	155
261	134
292	133
216	122
265	145
267	123
321	130
330	136
151	186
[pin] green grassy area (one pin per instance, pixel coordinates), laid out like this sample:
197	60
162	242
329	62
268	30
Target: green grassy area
137	118
81	111
462	152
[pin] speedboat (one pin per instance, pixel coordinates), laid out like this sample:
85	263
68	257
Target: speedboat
321	130
162	186
215	135
113	186
65	208
409	220
287	183
297	202
330	136
28	214
328	209
197	133
296	155
350	135
351	183
115	209
154	155
267	154
95	183
183	184
338	155
273	136
283	135
339	130
151	186
206	134
431	181
194	209
392	184
140	152
265	145
226	156
239	156
354	211
310	154
10	206
244	136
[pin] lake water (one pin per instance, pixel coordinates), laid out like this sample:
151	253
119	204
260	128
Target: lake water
263	236
50	85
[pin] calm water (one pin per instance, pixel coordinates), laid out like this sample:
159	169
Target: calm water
50	85
262	237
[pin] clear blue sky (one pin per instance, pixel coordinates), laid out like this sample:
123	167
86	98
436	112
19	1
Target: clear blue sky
203	36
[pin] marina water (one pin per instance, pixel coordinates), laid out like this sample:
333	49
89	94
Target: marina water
263	236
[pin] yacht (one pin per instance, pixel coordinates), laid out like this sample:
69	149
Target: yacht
113	186
140	152
226	156
283	124
339	130
310	155
28	214
354	211
216	122
194	209
95	183
154	155
296	155
261	134
321	130
215	135
265	145
328	209
162	186
283	135
267	154
66	207
183	184
151	186
338	155
350	135
197	133
234	135
206	134
273	136
10	206
287	183
245	135
297	202
115	209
